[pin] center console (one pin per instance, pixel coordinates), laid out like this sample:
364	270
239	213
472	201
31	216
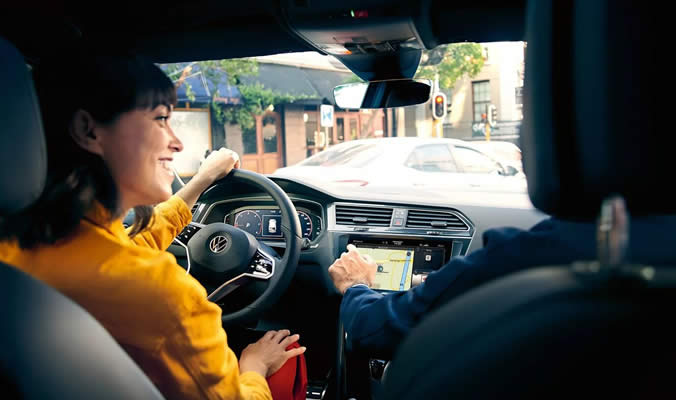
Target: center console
407	243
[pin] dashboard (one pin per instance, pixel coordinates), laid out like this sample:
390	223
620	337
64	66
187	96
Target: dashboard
407	242
408	235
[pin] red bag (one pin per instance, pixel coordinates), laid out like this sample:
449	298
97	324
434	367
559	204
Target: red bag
290	382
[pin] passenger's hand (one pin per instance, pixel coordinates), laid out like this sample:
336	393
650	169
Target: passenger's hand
268	354
352	268
218	164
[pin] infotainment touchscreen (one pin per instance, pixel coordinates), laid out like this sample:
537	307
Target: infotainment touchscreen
403	262
395	266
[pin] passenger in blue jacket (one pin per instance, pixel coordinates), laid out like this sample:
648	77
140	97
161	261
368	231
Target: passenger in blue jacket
378	322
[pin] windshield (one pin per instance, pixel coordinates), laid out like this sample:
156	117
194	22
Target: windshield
279	114
347	155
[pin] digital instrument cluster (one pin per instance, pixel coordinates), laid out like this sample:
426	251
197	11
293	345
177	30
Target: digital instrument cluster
266	223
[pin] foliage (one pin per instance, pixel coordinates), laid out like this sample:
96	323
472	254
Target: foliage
255	98
451	62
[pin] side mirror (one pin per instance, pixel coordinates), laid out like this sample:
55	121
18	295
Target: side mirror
510	171
383	94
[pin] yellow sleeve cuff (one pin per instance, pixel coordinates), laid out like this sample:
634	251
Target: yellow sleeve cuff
177	204
256	386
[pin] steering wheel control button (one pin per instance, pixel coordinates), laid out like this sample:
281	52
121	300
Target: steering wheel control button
187	233
262	265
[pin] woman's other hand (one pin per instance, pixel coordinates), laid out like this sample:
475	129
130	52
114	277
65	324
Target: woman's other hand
268	354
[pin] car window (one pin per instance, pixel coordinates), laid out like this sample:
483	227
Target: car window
279	112
473	161
432	158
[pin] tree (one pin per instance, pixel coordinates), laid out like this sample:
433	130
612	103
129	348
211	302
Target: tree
255	98
214	71
451	62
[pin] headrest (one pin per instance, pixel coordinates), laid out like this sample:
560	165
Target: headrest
591	124
22	144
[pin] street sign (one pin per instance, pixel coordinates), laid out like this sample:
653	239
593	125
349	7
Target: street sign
326	112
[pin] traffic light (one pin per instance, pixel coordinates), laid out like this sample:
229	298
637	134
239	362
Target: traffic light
492	115
439	106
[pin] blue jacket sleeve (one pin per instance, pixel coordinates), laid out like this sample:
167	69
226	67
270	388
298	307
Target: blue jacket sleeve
378	322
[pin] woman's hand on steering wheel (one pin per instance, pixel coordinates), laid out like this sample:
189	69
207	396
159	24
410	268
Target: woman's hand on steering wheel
217	165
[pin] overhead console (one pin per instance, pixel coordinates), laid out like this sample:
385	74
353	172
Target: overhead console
406	243
375	39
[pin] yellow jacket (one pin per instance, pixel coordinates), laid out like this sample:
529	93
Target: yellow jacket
158	313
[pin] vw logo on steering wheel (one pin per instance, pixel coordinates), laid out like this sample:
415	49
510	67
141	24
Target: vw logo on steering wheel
218	244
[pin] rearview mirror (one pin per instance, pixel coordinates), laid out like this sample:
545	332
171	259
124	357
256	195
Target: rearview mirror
382	94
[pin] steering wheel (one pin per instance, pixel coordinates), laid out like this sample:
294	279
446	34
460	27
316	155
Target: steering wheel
225	258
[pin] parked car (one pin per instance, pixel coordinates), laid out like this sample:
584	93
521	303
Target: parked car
419	162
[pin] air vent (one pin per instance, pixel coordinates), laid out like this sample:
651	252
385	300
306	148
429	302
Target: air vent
363	215
194	208
434	220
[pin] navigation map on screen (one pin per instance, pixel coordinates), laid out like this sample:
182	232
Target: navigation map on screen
395	267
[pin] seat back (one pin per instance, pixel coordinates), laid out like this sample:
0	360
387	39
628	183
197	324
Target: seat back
551	332
590	137
51	348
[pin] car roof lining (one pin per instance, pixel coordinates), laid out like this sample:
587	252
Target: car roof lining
173	31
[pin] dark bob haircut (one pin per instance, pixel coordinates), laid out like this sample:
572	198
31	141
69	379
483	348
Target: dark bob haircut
105	87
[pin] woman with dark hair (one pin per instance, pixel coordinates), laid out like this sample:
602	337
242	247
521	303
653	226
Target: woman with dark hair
110	148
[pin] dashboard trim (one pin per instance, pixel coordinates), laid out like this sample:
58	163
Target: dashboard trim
332	226
199	210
